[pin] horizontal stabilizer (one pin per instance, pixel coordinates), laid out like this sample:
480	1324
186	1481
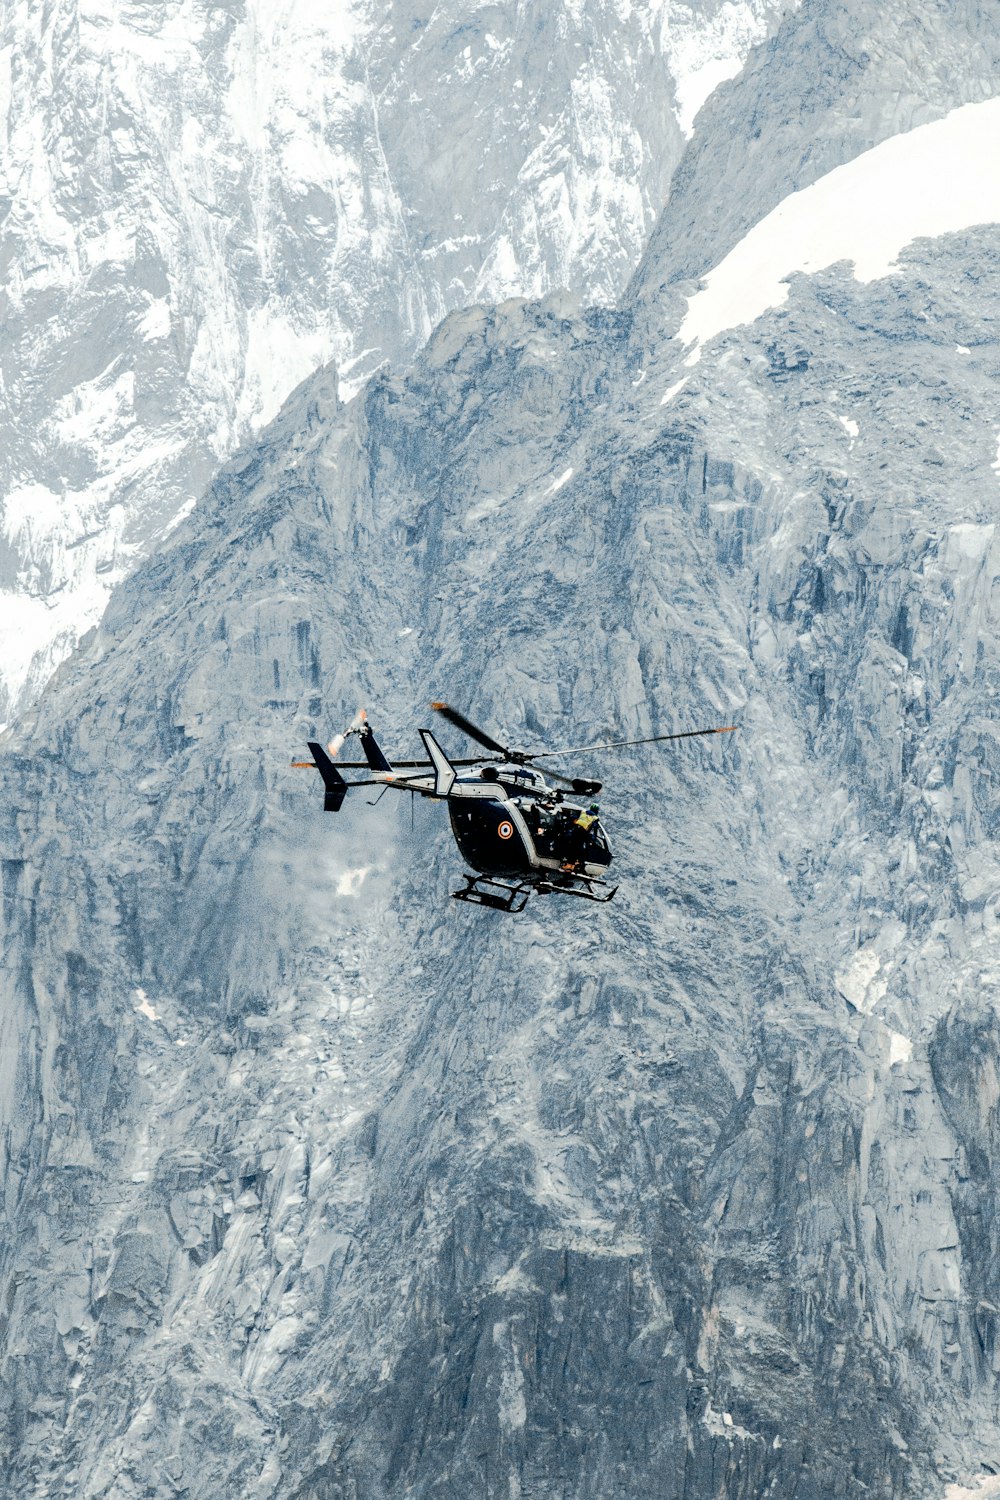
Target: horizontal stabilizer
334	784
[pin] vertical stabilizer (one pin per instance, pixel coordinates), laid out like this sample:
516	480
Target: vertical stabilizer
373	754
334	785
444	771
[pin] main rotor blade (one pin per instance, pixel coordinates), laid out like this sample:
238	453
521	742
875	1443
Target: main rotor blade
653	739
472	730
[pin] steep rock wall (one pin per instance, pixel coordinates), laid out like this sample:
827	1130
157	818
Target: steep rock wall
318	1186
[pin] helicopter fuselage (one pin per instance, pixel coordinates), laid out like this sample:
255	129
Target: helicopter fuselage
508	822
524	830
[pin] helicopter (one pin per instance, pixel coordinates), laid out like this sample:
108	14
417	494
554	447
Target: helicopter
519	829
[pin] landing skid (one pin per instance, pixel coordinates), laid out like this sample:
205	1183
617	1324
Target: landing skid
482	891
587	887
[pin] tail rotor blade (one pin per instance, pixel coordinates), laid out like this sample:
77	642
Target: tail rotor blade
472	730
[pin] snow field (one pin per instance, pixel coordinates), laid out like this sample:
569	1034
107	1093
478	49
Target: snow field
938	179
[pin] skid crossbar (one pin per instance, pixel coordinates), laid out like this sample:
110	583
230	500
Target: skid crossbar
480	890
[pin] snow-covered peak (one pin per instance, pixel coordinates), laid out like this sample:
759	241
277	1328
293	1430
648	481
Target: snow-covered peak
203	203
934	180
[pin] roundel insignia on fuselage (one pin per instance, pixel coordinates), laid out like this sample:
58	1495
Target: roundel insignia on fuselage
505	830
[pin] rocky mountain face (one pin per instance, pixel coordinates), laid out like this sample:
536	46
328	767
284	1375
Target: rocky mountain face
202	202
317	1186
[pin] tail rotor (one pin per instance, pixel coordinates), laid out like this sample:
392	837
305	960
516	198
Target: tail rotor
356	726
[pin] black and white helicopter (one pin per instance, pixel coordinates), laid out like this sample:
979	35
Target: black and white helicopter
518	833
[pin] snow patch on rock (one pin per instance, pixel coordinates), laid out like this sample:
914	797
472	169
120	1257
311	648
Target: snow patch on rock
934	180
858	982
